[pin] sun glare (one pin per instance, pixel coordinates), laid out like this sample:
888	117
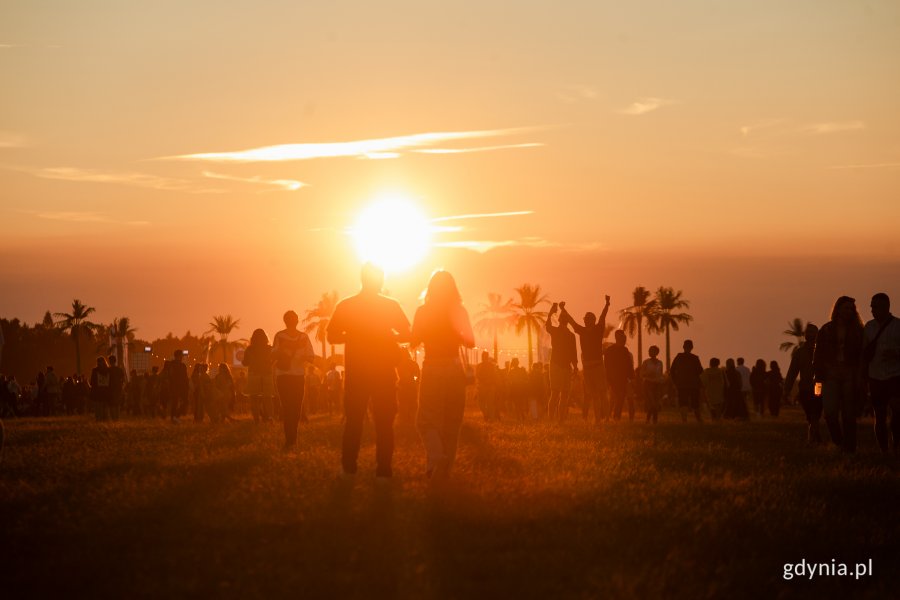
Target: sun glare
392	233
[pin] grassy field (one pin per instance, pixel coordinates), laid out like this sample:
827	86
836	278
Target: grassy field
146	509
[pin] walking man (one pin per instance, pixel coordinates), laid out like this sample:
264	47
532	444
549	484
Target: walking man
881	358
370	325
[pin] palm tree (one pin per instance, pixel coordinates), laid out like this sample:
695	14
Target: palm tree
668	301
76	323
526	314
121	329
796	329
223	325
317	319
634	317
495	316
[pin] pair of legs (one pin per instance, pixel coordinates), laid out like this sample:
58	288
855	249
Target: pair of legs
885	396
618	391
812	406
595	392
652	395
381	389
689	399
442	402
290	390
560	385
839	401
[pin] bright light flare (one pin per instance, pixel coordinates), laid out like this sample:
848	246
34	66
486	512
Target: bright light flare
392	233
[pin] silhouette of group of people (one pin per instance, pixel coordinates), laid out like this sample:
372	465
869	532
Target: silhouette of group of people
835	368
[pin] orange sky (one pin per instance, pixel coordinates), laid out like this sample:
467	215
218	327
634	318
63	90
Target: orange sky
137	168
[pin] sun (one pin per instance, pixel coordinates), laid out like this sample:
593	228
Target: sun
392	233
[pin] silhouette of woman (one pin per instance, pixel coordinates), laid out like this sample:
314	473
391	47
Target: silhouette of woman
442	325
774	388
836	364
260	383
758	386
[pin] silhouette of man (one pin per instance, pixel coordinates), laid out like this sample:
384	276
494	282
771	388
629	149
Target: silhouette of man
591	335
563	357
802	366
882	353
370	326
293	351
116	387
178	384
619	371
744	372
685	373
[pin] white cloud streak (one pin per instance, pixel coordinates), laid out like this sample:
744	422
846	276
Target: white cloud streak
835	127
289	185
477	149
642	106
85	217
142	180
514	213
9	139
373	148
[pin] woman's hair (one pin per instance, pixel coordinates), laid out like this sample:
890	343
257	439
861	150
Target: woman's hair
773	366
442	290
101	361
836	309
224	371
760	364
729	364
259	338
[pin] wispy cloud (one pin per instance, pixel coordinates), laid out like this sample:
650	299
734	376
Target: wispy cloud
290	185
477	149
761	125
642	106
835	127
482	246
373	148
9	139
142	180
890	165
515	213
85	217
577	93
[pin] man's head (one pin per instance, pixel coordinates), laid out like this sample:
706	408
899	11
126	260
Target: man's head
714	363
740	361
881	306
485	356
810	333
620	337
653	351
688	345
372	278
291	319
178	355
113	360
590	319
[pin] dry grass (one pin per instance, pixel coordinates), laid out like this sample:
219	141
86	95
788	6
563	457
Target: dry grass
146	509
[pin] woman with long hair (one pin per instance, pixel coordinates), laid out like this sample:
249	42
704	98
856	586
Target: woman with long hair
758	386
774	388
260	382
442	325
836	365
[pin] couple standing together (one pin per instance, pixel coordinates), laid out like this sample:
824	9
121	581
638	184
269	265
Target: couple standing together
371	326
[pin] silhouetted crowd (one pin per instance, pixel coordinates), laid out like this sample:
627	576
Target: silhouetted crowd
838	370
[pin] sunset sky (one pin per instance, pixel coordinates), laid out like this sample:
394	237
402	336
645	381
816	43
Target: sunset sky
168	161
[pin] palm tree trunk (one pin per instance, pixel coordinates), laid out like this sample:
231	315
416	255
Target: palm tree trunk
668	361
77	352
530	355
640	339
495	347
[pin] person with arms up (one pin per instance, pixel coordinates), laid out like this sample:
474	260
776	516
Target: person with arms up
591	335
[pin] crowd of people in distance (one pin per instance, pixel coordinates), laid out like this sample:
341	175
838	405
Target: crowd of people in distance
836	370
